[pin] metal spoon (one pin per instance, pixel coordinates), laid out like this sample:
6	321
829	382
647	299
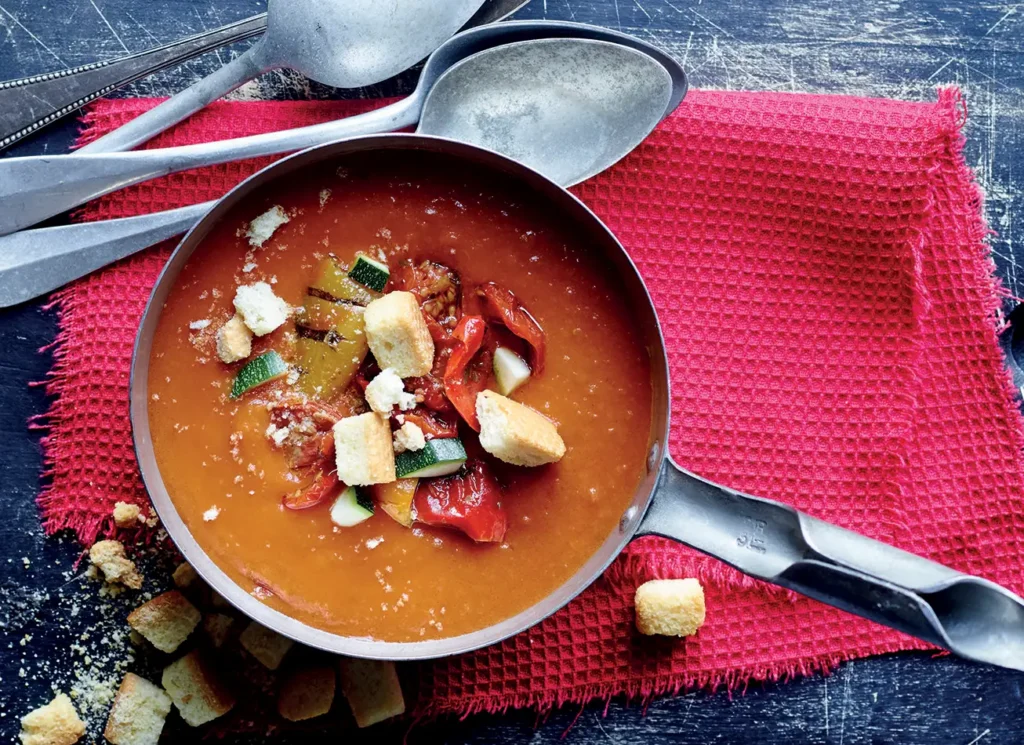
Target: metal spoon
35	262
38	187
343	43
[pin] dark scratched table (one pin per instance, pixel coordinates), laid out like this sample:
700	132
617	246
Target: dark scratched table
896	48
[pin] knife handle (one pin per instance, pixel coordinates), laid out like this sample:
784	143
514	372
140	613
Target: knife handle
28	104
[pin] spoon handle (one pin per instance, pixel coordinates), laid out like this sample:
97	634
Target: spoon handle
38	187
35	262
28	104
182	105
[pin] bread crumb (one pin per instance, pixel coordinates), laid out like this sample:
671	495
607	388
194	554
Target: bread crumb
126	515
185	576
109	558
263	227
56	723
211	514
670	607
217	626
260	309
195	689
234	340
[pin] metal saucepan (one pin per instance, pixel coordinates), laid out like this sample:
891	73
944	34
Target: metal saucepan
768	540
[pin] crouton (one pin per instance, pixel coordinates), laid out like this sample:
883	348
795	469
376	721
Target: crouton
669	607
263	227
387	391
306	694
56	723
234	340
363	450
217	626
372	690
185	576
260	308
138	714
109	558
398	335
515	433
198	694
126	515
166	620
265	645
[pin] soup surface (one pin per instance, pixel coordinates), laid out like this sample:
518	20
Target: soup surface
381	579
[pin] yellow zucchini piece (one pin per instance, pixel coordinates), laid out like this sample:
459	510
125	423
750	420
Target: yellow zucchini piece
346	319
396	499
329	368
332	280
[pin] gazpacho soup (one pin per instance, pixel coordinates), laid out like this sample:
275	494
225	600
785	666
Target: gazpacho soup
397	398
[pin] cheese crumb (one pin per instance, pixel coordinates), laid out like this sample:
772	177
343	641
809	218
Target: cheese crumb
249	267
263	227
387	391
260	308
409	437
199	325
211	514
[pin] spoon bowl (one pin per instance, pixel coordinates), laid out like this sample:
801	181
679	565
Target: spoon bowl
342	43
567	108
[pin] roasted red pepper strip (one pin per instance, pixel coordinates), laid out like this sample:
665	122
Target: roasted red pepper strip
433	423
467	500
318	491
465	377
501	306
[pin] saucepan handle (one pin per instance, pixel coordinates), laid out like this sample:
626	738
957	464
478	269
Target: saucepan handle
771	541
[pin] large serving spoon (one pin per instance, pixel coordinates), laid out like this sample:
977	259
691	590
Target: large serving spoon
35	188
605	115
342	43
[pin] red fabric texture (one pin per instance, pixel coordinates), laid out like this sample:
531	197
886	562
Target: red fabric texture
819	267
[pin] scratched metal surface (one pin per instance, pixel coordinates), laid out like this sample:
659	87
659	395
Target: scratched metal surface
871	47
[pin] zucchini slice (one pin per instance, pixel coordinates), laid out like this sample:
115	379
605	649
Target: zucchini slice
439	458
268	366
351	507
370	272
509	370
333	283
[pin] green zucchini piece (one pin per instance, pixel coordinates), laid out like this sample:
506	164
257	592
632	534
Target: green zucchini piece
332	283
352	507
509	370
438	458
268	366
370	272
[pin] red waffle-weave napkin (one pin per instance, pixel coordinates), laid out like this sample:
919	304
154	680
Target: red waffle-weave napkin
819	266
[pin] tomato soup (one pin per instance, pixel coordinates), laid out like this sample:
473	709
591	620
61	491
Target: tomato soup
228	476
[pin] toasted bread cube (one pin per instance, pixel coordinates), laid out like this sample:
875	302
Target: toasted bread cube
138	714
109	558
56	723
195	689
669	607
515	433
363	450
263	227
185	576
372	689
234	340
398	335
217	626
126	515
260	308
306	694
166	620
265	645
